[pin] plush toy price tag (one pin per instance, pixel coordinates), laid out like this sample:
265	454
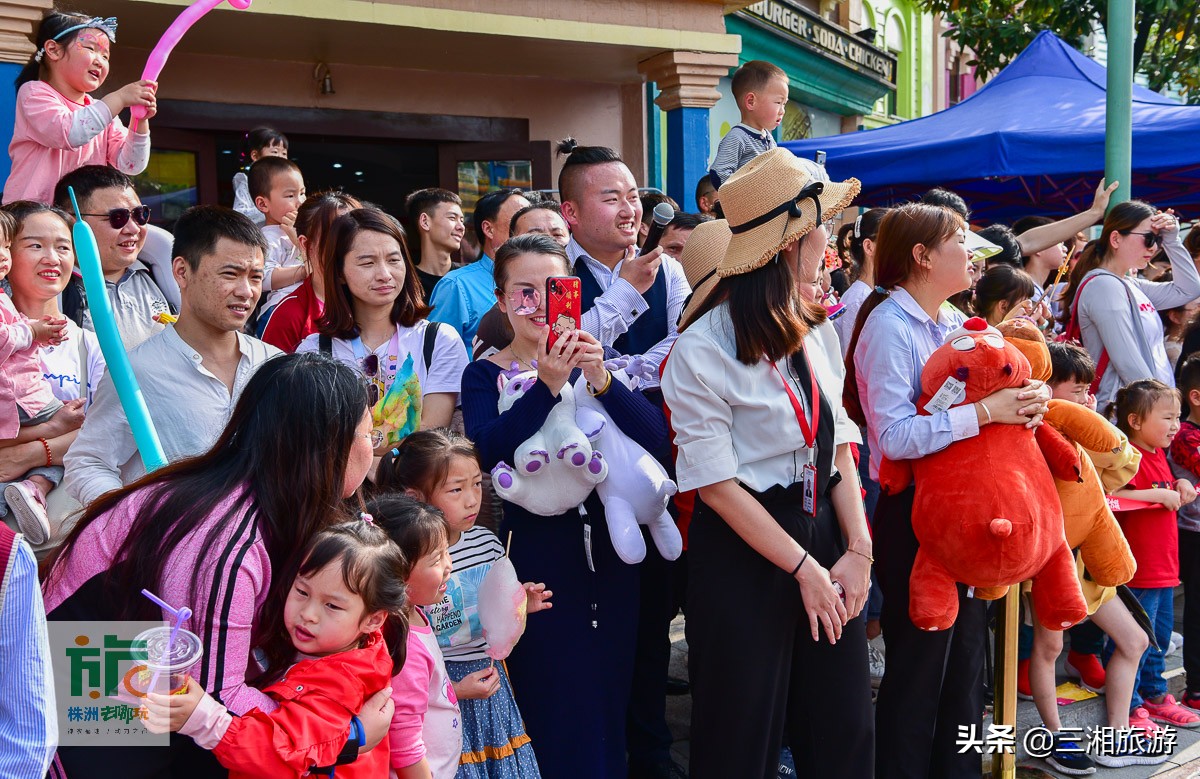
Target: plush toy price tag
952	391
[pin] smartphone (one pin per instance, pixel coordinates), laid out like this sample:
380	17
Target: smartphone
562	306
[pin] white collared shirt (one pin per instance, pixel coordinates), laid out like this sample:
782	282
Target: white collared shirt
619	304
188	405
735	421
135	299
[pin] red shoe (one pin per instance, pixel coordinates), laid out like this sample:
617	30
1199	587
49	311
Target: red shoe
1139	719
1087	669
1024	691
1171	713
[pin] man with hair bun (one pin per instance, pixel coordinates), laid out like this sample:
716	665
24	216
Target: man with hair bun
631	303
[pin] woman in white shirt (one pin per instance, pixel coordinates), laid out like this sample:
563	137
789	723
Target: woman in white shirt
43	259
779	554
1117	315
933	683
374	321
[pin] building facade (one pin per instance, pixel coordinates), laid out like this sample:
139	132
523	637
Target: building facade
384	97
852	65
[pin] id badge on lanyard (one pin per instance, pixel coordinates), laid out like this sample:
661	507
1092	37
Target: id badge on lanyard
809	480
808	474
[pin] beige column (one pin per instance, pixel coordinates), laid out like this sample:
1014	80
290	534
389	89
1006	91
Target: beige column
19	20
687	79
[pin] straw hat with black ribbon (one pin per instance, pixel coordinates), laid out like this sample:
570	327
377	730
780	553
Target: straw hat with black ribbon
705	248
772	200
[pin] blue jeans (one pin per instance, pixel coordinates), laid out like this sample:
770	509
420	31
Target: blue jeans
1159	603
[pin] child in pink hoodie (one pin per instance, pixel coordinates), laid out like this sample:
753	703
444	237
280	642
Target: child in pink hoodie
58	126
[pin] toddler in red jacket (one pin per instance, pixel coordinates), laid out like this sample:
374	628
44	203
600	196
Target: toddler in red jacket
348	591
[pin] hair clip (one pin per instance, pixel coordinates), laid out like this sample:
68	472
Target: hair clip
881	291
38	56
858	226
396	452
365	517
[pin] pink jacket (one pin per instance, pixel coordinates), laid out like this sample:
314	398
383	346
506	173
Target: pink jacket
22	382
42	151
230	584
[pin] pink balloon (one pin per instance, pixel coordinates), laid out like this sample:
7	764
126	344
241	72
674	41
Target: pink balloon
166	44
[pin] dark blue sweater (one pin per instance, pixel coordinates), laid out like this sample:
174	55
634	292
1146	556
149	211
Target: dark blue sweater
497	435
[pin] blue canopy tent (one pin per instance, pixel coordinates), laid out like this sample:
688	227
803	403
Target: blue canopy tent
1030	141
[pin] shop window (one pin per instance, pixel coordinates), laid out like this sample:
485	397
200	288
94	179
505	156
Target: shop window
899	102
478	177
801	121
169	184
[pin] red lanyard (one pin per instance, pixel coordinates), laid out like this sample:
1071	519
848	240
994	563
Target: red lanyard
810	434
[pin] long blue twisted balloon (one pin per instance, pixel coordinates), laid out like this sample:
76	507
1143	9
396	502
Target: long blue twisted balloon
87	254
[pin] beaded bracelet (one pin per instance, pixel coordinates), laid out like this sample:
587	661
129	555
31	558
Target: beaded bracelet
49	454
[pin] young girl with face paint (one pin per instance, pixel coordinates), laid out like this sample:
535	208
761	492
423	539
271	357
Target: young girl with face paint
59	127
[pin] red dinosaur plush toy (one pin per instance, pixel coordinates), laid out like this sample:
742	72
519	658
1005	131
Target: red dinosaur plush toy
986	511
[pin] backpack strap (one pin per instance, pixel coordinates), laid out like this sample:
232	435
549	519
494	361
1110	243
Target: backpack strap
431	331
1075	332
325	344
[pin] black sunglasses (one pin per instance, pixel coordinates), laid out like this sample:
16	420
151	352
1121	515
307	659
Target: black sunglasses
1151	239
119	217
370	366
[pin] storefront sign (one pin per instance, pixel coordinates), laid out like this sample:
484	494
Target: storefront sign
813	32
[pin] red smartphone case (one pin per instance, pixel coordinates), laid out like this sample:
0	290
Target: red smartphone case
563	306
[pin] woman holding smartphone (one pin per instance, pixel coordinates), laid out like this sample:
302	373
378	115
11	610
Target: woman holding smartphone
573	668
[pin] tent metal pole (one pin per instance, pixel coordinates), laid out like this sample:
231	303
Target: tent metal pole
1118	125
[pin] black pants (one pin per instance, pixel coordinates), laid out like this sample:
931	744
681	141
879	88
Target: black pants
759	681
933	681
1189	572
649	738
1088	639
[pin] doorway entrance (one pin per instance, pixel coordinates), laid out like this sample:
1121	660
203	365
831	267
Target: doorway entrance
377	157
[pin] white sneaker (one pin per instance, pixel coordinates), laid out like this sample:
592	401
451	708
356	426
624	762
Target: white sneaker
875	662
29	507
1175	645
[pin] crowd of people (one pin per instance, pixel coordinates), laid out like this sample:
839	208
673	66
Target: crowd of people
333	392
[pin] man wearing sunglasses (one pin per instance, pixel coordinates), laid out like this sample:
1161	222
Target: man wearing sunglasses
110	205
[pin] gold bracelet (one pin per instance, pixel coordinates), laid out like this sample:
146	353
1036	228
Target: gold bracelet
595	393
863	554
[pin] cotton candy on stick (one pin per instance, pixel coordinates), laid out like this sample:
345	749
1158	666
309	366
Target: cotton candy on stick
502	608
162	50
120	372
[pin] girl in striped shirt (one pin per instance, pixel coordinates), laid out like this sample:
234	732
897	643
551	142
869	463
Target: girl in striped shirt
441	468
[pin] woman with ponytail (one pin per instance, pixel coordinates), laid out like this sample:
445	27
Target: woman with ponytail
862	249
1114	314
59	127
933	684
